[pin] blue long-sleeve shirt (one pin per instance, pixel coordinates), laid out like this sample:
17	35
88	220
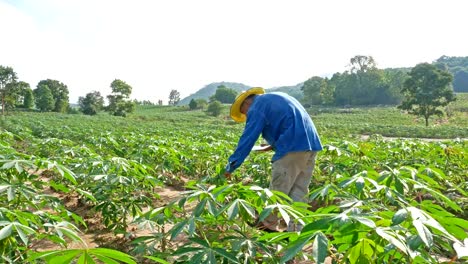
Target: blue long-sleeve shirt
283	123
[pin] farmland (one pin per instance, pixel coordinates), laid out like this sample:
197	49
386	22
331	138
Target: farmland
67	178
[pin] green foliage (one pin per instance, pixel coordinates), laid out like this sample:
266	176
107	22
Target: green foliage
7	86
193	104
371	201
92	103
174	97
363	84
59	93
44	98
84	256
26	99
224	95
119	100
460	81
315	91
214	108
426	90
458	67
201	103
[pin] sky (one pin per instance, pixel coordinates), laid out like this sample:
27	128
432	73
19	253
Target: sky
157	46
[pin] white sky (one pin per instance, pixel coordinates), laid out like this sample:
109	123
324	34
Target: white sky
156	46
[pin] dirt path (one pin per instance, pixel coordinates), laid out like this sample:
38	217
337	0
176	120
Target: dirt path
96	235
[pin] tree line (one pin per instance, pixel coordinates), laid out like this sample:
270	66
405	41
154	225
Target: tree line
365	84
53	96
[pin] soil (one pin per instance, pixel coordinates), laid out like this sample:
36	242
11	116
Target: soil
96	235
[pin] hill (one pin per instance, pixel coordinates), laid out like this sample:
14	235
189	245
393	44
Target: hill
210	89
294	91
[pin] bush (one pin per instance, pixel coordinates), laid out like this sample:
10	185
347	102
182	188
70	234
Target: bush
214	108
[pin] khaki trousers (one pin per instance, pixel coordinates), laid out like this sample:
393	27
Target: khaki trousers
292	175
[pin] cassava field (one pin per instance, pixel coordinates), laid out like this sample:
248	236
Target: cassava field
149	188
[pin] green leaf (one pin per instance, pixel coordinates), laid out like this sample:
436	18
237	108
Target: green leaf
106	260
6	231
183	250
162	261
191	226
292	249
365	221
58	186
233	210
86	194
45	254
362	252
201	242
86	259
225	254
388	235
66	173
199	208
21	234
284	215
177	228
360	183
64	257
4	187
11	193
114	254
321	224
265	213
248	208
423	232
71	234
399	216
320	247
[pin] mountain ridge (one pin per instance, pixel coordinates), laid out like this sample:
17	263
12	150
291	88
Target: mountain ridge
208	90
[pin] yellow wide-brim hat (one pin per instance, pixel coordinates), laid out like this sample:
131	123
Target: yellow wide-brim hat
236	106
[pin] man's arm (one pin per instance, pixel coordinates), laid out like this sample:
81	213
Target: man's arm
253	129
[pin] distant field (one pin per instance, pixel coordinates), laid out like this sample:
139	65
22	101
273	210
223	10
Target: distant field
392	122
344	122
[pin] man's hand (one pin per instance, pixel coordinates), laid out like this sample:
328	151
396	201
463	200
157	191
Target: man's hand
227	174
266	147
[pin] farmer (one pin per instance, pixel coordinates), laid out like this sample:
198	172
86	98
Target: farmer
287	127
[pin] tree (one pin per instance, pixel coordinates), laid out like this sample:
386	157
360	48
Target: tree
28	98
174	97
59	93
193	104
7	87
214	108
363	84
369	80
44	99
224	95
460	82
25	98
119	101
312	90
92	103
427	89
344	84
160	102
201	103
360	63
